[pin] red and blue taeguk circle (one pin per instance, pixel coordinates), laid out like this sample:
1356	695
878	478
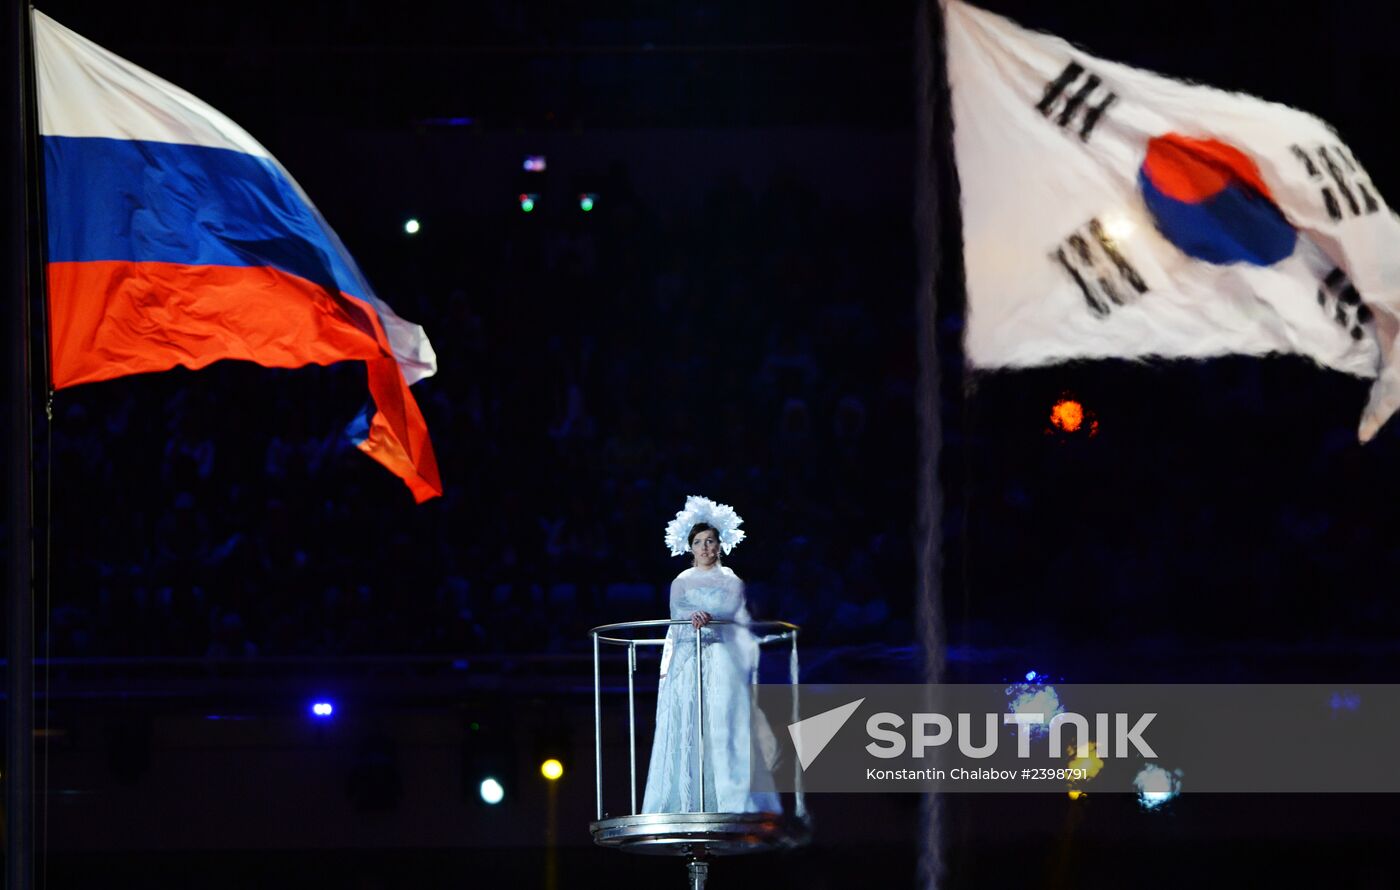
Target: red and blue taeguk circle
1209	199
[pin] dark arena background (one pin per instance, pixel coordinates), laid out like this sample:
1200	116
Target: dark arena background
712	289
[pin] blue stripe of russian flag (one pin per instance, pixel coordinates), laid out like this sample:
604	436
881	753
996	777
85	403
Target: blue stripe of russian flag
117	199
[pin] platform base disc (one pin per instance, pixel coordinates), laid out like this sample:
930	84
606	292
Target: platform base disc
700	834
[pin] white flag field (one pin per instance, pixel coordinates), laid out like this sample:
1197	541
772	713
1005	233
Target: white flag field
1109	212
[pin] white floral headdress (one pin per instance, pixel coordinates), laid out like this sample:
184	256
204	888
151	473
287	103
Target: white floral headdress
698	510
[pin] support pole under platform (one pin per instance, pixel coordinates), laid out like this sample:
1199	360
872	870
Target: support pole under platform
699	871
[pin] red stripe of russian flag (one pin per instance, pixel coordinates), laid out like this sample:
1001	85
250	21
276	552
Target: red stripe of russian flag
113	318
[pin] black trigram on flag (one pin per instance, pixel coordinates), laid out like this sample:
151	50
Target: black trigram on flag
1104	275
1346	189
1340	299
1076	98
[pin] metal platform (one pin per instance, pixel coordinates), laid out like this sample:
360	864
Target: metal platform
700	835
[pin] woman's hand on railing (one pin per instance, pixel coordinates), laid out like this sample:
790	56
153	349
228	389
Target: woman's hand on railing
700	619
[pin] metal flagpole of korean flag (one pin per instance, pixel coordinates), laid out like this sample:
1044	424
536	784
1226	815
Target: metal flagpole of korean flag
1113	212
933	215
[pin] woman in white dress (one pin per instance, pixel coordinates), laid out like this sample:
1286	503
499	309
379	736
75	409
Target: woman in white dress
702	594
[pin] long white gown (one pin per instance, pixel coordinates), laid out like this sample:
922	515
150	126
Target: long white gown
729	656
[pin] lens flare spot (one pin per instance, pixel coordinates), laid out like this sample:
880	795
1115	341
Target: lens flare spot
1087	760
491	791
1156	786
1119	228
1028	698
1069	417
1345	700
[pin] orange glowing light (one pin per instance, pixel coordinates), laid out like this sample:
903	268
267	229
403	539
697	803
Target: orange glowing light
1086	761
1068	415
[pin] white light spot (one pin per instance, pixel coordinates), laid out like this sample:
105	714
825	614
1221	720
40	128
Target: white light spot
492	792
1156	786
1027	698
1119	228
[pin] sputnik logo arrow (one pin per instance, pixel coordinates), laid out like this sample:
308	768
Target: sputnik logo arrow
810	736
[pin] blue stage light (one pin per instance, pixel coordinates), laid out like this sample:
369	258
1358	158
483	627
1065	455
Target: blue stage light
1345	701
322	709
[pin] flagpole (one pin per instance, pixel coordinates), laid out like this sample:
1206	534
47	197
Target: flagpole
19	681
931	159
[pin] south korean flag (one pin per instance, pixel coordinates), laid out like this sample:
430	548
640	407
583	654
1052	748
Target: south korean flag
1112	212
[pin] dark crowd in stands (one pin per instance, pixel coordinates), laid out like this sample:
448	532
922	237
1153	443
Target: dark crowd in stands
1214	504
758	349
594	370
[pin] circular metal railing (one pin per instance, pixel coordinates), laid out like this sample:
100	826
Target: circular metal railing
702	832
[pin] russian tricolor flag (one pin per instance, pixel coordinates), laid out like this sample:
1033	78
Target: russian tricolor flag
174	238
